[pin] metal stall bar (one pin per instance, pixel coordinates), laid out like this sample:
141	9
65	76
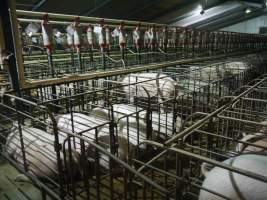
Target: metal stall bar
210	161
96	20
9	26
171	141
200	122
113	157
143	178
109	73
213	162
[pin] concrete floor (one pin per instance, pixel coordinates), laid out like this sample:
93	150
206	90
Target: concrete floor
12	190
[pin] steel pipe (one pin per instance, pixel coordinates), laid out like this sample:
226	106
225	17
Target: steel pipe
84	19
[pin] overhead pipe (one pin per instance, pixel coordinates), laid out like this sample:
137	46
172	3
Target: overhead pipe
53	22
83	18
250	4
150	36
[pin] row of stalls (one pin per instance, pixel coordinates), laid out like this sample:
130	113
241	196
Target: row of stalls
112	109
58	46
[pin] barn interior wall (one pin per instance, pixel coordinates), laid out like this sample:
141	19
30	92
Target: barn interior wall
249	26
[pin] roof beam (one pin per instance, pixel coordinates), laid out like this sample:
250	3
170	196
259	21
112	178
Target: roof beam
96	8
185	11
210	13
38	5
219	17
216	11
220	20
171	15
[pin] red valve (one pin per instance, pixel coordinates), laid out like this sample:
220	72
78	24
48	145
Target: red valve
102	23
45	18
77	21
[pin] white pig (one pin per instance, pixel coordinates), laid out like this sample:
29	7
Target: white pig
233	185
157	85
39	151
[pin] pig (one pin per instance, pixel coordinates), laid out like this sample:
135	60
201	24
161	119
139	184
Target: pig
161	122
233	185
157	85
257	139
39	150
82	122
234	68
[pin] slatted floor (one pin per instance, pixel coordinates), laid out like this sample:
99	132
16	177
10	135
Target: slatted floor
13	190
4	80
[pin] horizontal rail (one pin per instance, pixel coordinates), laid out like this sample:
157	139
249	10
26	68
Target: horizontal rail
214	113
23	20
108	73
173	148
84	18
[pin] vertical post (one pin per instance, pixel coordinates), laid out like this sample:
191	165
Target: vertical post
193	40
90	39
113	149
200	38
136	42
187	43
2	42
84	165
43	195
178	169
102	43
108	36
122	40
58	148
176	41
77	40
12	43
79	56
104	59
48	44
165	41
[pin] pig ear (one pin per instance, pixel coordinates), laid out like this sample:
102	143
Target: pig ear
244	134
205	169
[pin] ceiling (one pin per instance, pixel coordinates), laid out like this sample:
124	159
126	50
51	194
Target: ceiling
217	13
120	9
